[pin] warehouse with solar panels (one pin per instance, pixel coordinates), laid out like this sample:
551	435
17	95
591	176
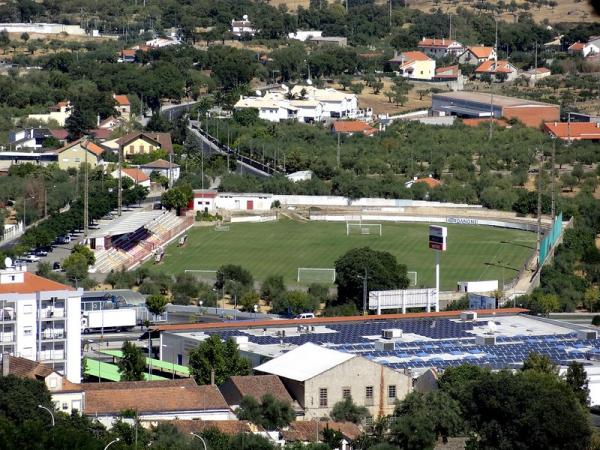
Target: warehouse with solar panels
409	343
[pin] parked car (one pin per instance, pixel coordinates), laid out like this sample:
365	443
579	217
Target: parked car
40	252
31	258
305	316
56	267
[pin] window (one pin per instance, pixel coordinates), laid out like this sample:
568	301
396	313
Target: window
323	398
141	149
131	149
27	331
76	405
346	392
53	383
392	391
65	406
369	396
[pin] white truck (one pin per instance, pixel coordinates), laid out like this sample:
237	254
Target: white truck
108	320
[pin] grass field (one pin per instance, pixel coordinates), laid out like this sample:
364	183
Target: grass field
281	247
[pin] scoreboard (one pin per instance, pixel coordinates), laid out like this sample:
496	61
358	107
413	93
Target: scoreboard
438	237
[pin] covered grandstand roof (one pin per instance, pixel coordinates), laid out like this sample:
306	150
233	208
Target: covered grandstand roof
127	224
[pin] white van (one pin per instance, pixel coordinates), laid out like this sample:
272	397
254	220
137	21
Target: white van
305	316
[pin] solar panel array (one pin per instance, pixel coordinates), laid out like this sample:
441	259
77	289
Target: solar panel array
440	343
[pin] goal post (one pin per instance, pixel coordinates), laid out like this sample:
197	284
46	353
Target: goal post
412	276
315	275
364	228
204	275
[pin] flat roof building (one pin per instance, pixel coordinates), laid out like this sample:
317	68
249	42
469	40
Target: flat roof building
478	105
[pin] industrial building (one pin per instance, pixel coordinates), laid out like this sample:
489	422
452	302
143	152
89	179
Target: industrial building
409	344
479	104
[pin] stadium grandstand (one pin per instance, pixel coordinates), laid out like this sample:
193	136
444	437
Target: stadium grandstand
132	239
410	343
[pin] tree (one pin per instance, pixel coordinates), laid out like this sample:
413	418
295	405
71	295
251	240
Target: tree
223	358
539	363
76	267
591	297
576	378
249	300
156	304
596	320
175	198
294	302
25	37
382	270
86	252
132	364
78	122
233	272
272	287
347	411
357	88
270	413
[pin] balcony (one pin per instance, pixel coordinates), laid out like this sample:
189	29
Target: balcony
7	336
51	355
52	313
53	333
7	314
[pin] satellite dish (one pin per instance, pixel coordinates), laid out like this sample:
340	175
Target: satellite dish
309	82
8	262
492	327
245	17
285	88
258	93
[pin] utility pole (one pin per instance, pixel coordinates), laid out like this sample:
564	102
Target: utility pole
390	14
539	208
120	184
492	81
553	180
365	277
338	151
86	219
170	170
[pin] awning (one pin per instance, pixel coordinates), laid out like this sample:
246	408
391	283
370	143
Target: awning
110	372
163	366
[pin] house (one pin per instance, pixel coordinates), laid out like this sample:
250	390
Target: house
8	159
127	55
576	48
537	74
351	127
477	55
154	401
142	142
66	396
308	111
303	36
336	104
204	200
449	73
500	70
574	131
72	155
29	138
414	65
40	320
440	48
319	377
162	42
301	175
164	168
429	181
271	107
311	431
59	113
238	387
123	106
242	27
135	175
329	40
592	47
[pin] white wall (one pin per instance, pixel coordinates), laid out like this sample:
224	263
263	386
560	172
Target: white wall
73	328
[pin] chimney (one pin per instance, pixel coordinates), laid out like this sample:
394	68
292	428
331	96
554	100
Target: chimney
212	377
5	364
98	120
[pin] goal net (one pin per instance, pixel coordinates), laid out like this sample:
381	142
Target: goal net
207	276
412	276
364	228
221	227
315	275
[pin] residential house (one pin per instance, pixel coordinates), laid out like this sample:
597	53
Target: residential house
66	396
127	55
429	181
164	168
303	36
311	431
300	175
351	127
336	104
500	70
308	110
271	107
72	155
29	138
414	65
135	175
592	47
40	320
319	377
242	27
440	48
574	131
154	401
142	142
162	42
477	55
238	387
8	159
576	49
123	106
449	73
537	74
338	41
58	113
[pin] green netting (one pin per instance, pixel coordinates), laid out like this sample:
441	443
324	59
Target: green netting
107	371
154	363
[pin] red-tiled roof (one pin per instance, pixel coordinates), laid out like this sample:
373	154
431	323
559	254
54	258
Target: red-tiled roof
122	100
160	164
128	52
318	320
163	139
447	72
88	145
135	174
481	52
431	182
577	46
477	122
229	427
306	431
353	126
33	283
443	43
491	67
416	56
101	133
574	131
258	385
59	134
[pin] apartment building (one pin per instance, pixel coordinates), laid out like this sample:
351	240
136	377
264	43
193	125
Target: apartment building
40	320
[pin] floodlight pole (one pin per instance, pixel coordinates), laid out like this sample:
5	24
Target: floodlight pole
437	283
365	293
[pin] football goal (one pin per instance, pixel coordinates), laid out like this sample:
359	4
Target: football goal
364	228
412	276
221	227
208	276
309	275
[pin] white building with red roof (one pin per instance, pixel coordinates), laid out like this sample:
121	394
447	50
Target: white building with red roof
40	320
500	70
477	55
439	48
122	106
414	65
134	174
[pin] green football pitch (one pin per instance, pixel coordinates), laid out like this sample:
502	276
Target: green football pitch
474	252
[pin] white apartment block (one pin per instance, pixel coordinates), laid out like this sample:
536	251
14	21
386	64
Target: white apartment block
40	320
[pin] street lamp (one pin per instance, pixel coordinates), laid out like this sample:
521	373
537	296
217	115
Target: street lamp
199	437
49	411
255	311
111	443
